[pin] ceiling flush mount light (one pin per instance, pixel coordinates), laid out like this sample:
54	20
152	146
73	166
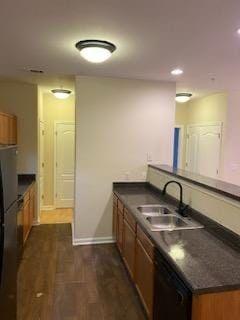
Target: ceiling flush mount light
61	93
95	51
238	31
177	72
183	97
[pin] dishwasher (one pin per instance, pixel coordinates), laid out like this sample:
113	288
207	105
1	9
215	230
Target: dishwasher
172	299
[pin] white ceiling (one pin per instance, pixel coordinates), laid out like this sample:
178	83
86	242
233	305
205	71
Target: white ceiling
152	37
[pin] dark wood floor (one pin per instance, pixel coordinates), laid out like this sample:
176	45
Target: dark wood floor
61	282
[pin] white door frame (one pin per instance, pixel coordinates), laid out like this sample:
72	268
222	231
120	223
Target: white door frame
206	124
41	122
180	146
55	156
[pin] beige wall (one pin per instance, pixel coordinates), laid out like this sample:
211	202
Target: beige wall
53	110
212	108
118	122
21	99
219	208
232	151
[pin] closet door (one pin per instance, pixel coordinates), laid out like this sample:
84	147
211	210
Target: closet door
192	149
203	149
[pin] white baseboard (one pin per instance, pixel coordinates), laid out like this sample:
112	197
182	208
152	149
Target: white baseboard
47	208
36	222
98	240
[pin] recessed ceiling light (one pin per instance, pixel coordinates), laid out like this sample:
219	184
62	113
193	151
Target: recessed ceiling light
238	31
177	72
183	97
95	51
61	93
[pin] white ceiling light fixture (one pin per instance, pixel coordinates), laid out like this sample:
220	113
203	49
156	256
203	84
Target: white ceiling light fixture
177	72
61	93
95	51
183	97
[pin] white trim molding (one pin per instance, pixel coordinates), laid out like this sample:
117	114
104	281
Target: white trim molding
47	208
87	241
36	222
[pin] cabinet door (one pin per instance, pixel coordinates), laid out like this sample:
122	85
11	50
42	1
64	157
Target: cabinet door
4	124
144	277
129	248
119	230
31	209
114	226
26	221
12	130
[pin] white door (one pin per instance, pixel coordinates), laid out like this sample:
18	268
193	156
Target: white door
65	163
203	149
42	132
192	149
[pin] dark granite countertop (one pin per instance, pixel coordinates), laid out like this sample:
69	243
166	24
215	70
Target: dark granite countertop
24	182
224	188
205	262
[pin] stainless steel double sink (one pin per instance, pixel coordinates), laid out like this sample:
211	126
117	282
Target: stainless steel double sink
161	218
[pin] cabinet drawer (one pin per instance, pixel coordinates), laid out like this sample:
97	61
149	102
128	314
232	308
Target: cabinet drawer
130	219
120	206
145	241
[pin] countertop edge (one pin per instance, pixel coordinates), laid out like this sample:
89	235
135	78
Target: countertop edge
197	183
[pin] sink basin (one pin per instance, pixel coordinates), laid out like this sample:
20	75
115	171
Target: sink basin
171	222
166	222
153	210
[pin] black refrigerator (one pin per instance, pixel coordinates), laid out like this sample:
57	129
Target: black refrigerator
8	233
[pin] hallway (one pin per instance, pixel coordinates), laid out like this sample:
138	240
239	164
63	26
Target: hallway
64	215
60	282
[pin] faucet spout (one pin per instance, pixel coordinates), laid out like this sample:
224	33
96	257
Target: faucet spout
181	207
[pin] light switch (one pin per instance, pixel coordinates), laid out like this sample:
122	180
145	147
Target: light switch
149	157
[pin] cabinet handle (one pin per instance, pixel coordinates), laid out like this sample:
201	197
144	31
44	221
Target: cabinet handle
180	297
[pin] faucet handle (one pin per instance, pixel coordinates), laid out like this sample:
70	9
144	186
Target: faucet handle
182	210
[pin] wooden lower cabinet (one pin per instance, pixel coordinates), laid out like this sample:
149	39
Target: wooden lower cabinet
144	277
137	251
136	254
114	225
26	222
216	306
28	211
129	240
119	230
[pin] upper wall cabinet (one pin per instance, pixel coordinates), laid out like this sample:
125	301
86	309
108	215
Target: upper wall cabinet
8	129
